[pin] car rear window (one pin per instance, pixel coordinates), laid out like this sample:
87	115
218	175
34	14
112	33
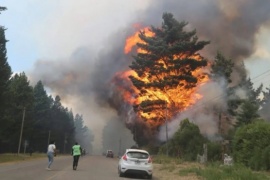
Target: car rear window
139	155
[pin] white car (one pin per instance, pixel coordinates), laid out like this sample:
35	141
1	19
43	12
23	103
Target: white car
135	161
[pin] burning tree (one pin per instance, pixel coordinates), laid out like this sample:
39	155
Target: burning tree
167	70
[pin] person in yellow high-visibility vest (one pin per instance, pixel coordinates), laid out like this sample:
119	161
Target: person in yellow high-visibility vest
76	153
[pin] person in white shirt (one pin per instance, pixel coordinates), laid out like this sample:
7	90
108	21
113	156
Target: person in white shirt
50	153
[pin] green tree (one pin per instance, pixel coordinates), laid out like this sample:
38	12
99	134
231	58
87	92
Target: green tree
5	70
248	107
187	142
251	144
42	105
222	68
5	74
248	113
265	105
21	96
167	60
61	126
83	134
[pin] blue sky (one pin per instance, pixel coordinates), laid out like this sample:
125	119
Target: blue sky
55	28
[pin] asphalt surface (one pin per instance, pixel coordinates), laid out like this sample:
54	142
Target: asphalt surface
89	168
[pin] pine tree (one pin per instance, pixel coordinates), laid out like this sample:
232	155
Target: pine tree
248	113
245	108
167	60
5	74
265	105
222	68
42	104
21	96
83	134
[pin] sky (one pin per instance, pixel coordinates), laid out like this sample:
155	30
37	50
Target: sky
69	34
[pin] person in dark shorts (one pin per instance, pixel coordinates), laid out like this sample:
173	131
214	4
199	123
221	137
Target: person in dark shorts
76	153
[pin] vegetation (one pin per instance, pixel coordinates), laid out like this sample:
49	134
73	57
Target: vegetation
175	168
213	172
251	145
44	117
179	146
167	60
7	157
247	132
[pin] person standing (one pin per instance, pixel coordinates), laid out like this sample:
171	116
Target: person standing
76	153
51	153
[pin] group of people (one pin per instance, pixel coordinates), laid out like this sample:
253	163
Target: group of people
76	152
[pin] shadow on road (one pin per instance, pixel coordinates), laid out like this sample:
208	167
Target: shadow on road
139	177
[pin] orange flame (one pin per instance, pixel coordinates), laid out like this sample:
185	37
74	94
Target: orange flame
133	40
178	99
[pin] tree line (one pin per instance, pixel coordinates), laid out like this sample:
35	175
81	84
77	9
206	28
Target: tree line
31	111
169	60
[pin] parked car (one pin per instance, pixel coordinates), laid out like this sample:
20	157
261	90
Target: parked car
135	161
109	153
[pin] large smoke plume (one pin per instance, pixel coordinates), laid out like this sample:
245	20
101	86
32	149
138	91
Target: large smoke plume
85	79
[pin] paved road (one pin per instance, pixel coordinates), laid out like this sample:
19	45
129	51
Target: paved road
90	168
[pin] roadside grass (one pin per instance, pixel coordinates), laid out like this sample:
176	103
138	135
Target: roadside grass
169	167
215	171
175	167
162	159
9	157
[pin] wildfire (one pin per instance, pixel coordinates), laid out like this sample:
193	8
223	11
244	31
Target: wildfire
177	99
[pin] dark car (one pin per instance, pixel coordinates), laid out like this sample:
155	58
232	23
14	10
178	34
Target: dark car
109	153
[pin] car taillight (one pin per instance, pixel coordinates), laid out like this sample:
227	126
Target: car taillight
149	160
125	157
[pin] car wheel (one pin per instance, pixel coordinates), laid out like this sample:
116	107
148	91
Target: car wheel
150	176
120	173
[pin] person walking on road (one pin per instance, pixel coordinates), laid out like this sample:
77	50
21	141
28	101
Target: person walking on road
51	153
76	153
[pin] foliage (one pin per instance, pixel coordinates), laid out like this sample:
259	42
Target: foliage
213	172
265	105
251	145
248	113
7	157
168	60
151	148
44	117
83	134
5	74
214	151
251	98
20	101
163	159
2	9
187	142
222	68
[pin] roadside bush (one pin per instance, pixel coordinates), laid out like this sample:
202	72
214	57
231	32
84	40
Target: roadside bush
251	145
214	151
266	158
186	143
152	149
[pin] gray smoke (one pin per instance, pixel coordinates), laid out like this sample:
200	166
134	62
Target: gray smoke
231	26
84	80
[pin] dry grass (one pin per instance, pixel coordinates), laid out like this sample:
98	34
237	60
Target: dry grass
8	157
170	171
